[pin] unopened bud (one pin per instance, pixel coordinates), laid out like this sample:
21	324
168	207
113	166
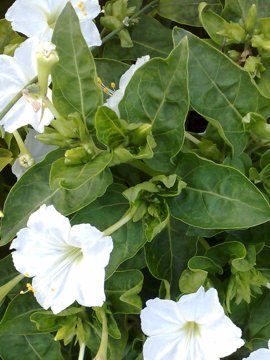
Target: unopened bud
47	57
250	20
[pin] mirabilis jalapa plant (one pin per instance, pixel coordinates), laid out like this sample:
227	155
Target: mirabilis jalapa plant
144	232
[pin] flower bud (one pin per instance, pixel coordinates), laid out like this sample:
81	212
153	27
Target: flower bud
26	160
250	20
47	57
77	156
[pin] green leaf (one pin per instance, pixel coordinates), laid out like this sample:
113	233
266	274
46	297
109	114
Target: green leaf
149	37
5	158
30	347
27	195
219	90
16	320
122	291
217	196
74	176
185	11
104	212
212	23
7	270
9	39
168	253
235	10
75	87
157	94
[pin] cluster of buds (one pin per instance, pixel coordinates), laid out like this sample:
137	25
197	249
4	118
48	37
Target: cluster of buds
117	14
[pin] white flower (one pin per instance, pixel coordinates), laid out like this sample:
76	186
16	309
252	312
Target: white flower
37	149
260	354
194	328
67	262
117	96
38	18
15	73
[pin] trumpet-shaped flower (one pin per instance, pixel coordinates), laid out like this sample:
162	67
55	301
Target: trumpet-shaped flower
39	18
260	354
15	73
117	95
37	149
67	262
194	328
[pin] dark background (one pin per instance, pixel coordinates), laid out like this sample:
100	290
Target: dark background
4	5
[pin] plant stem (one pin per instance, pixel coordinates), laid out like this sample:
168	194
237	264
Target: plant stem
192	138
15	99
21	144
47	102
126	218
102	351
149	6
204	243
82	350
143	167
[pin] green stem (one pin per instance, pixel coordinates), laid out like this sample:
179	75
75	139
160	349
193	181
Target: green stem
15	99
143	167
82	350
149	7
102	351
125	219
204	243
192	138
21	144
47	102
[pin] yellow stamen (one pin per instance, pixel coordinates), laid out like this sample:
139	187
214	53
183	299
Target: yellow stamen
26	274
81	6
113	85
29	288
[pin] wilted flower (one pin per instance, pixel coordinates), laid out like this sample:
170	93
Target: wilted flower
260	354
15	73
39	18
67	262
194	328
117	96
37	149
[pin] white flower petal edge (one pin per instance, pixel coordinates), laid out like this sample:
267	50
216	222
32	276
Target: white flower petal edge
67	262
15	73
40	17
260	354
37	149
115	99
195	327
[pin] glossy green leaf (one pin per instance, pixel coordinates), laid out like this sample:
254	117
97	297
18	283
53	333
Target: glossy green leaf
27	195
212	23
217	196
75	87
16	320
122	291
168	253
5	158
149	37
157	94
9	39
219	90
185	11
30	347
104	212
235	10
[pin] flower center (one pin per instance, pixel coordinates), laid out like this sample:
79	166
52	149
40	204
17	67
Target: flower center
192	329
82	8
51	21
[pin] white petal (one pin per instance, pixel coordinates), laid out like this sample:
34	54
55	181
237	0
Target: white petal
96	247
25	58
113	101
28	17
12	79
125	78
17	169
260	354
90	33
92	9
161	317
